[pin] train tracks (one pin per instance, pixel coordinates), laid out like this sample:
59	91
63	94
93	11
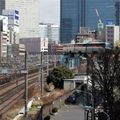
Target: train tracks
10	95
12	91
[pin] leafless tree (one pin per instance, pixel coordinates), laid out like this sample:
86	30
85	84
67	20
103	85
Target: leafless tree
104	68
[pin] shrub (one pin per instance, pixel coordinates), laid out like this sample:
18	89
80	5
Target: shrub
57	76
54	110
47	117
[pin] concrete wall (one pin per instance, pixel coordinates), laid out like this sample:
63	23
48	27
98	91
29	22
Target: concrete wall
69	85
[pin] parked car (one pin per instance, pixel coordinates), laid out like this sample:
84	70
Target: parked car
77	93
71	99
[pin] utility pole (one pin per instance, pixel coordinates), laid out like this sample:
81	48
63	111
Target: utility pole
87	79
26	85
47	64
41	74
93	90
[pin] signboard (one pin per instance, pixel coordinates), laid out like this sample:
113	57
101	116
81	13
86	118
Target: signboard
43	44
109	22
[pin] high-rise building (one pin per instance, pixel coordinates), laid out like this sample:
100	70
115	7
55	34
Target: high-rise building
69	20
117	12
71	17
29	15
43	30
2	6
55	33
4	36
13	25
13	19
51	31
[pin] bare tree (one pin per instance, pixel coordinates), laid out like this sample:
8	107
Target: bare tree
105	72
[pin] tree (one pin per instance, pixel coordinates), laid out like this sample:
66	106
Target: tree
58	75
104	71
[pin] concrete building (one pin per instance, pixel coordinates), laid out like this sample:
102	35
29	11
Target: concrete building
35	45
4	43
29	15
112	34
13	19
71	84
85	35
13	25
4	36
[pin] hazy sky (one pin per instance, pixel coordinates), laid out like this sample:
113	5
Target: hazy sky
50	11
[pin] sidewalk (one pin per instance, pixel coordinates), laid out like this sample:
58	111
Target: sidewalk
69	112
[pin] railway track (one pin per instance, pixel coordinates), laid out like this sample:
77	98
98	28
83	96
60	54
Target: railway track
12	91
10	98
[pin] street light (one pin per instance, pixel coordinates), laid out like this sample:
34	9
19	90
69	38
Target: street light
92	107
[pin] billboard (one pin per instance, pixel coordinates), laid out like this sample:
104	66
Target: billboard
109	22
43	44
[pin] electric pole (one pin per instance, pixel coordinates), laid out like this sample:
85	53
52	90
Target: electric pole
41	74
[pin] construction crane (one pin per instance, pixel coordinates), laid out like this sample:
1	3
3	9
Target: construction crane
100	23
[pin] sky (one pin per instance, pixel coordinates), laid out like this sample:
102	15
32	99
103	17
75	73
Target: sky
50	11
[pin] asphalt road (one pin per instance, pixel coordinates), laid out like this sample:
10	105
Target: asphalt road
69	112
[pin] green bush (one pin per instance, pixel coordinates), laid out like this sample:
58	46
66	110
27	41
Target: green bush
54	110
57	76
47	117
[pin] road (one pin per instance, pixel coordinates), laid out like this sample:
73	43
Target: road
69	112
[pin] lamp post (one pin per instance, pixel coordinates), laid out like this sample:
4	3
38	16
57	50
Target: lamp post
92	107
88	107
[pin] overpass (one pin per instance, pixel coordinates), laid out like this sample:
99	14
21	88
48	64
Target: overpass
71	53
86	47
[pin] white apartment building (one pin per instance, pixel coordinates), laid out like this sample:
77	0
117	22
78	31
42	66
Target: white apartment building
13	19
5	49
13	25
4	36
29	16
112	34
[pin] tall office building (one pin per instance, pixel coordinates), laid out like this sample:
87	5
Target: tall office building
2	6
43	30
71	16
55	33
69	20
29	15
51	31
117	12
